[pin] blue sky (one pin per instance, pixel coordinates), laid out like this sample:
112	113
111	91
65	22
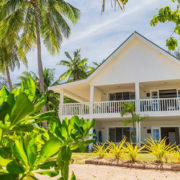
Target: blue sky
97	35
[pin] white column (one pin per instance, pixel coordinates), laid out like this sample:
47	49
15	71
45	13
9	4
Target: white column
61	102
91	112
137	97
91	100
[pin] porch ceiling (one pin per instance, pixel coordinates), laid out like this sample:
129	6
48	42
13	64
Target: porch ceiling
107	88
161	84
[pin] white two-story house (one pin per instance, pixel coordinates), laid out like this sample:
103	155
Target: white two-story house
138	71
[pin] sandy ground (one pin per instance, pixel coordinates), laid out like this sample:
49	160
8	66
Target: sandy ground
93	172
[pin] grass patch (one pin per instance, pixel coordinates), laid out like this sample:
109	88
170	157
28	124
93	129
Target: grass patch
79	158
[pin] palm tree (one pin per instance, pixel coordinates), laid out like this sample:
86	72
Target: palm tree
129	108
77	67
9	58
52	97
120	3
33	20
3	81
95	66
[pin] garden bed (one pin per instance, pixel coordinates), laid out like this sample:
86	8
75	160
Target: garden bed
138	165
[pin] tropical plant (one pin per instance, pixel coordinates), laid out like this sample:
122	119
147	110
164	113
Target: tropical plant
52	97
20	109
3	81
27	158
94	67
168	14
120	3
72	134
77	67
177	154
116	149
34	20
19	136
131	151
9	58
129	108
100	150
159	148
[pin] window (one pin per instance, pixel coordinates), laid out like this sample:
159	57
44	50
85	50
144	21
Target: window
117	134
122	96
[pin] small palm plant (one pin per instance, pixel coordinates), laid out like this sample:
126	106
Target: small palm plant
116	149
159	148
132	151
100	150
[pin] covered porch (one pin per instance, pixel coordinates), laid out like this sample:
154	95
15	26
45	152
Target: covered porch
94	101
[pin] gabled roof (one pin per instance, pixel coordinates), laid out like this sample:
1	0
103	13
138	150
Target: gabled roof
116	51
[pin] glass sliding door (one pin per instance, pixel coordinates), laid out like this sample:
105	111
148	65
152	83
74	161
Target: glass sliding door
156	134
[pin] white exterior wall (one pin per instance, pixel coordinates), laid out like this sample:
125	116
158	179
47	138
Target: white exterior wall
151	123
137	61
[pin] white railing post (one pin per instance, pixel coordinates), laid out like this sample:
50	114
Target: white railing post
91	112
61	102
137	105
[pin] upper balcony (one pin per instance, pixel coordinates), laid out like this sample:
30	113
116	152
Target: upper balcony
112	109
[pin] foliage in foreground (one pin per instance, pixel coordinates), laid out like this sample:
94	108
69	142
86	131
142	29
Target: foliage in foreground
27	147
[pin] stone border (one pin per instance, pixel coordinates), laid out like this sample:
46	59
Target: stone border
165	167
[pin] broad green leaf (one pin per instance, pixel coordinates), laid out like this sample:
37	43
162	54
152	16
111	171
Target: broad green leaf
50	148
7	176
24	128
32	152
4	109
14	167
73	177
19	152
49	173
47	165
30	90
3	94
21	109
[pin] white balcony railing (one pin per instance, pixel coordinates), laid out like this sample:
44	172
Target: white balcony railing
107	107
154	105
75	109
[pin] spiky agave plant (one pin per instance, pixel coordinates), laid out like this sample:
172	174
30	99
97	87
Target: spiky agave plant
160	149
116	149
100	150
132	151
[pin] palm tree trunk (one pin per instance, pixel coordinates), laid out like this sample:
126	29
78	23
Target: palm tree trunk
39	59
8	77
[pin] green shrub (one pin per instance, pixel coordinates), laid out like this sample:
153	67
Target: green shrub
159	148
100	150
131	151
116	150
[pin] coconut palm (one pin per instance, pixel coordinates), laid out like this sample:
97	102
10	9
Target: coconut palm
35	20
120	3
77	67
3	81
52	97
128	108
9	58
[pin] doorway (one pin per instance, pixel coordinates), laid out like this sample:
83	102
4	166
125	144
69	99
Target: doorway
171	133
